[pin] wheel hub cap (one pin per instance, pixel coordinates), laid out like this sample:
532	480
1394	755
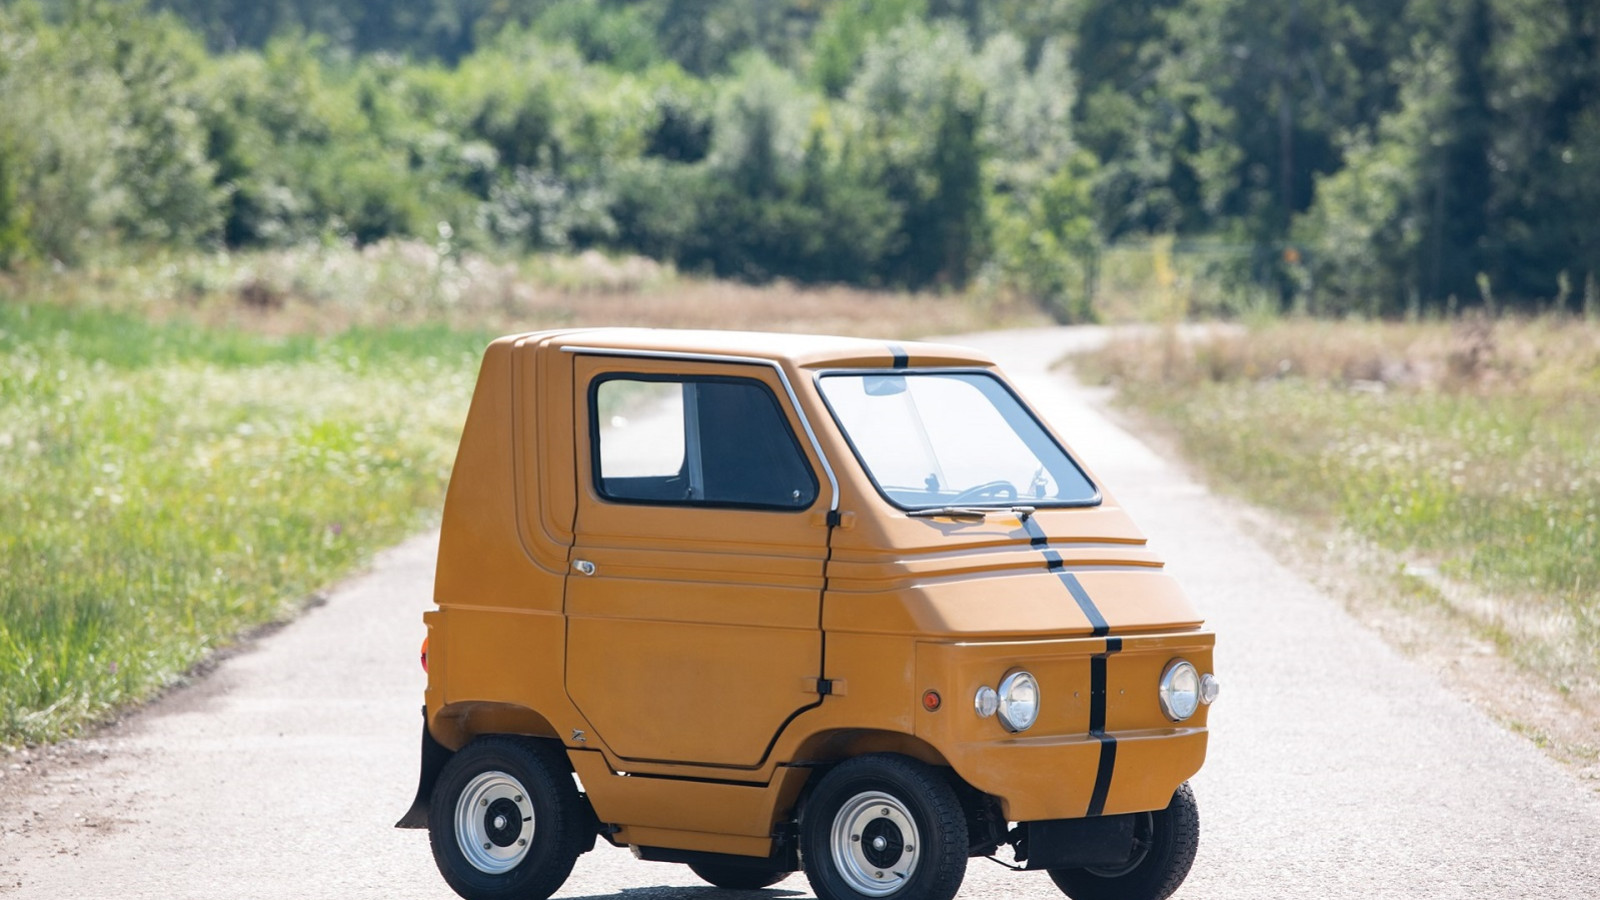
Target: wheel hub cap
883	843
874	844
503	822
494	823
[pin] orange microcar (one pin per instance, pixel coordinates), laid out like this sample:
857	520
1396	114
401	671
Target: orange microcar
760	603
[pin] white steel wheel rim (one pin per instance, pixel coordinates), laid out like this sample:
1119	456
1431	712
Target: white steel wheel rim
494	823
875	844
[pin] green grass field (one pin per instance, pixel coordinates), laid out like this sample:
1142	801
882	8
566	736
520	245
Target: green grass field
1467	449
164	487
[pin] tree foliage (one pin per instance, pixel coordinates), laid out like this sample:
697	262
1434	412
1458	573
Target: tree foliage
1375	155
100	134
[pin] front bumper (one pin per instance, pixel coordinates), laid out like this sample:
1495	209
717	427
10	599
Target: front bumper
1101	745
1057	777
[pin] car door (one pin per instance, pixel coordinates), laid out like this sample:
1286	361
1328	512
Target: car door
694	599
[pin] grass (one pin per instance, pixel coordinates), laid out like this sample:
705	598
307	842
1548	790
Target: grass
164	488
190	446
1465	450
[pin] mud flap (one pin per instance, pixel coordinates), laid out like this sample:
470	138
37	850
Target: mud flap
434	756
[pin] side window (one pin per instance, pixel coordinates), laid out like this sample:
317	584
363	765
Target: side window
695	441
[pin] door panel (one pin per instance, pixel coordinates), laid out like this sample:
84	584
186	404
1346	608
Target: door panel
697	635
687	691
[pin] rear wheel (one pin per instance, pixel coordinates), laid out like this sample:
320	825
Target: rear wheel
1164	845
882	826
505	820
737	878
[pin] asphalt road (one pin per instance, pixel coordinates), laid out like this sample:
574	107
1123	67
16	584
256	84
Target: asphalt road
1337	767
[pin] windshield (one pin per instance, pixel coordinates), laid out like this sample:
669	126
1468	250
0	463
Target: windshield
932	439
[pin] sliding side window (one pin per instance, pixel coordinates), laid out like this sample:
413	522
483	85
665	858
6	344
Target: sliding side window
705	441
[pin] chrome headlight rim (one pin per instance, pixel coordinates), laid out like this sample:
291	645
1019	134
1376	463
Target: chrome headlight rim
1023	719
1180	690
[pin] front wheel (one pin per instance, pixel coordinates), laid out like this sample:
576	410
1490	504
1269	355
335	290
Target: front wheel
1164	845
882	826
505	820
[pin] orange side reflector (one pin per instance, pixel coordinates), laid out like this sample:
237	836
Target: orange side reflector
424	654
931	701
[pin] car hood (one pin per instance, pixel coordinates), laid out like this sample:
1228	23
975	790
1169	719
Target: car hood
1054	573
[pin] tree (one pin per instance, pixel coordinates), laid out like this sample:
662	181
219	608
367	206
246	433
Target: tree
1483	175
915	77
101	136
1046	241
1546	96
846	29
1368	227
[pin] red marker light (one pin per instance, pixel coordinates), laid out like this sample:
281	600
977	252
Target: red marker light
931	701
424	654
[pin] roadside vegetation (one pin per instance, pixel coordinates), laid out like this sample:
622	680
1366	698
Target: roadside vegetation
323	289
164	488
1464	451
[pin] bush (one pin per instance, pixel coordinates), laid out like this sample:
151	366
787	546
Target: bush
1045	241
102	136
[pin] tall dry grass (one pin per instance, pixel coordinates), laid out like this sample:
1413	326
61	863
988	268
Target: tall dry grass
326	290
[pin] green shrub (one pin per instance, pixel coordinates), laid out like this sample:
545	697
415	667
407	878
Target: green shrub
102	138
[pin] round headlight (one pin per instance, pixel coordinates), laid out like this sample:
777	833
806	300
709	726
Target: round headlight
1019	701
1180	690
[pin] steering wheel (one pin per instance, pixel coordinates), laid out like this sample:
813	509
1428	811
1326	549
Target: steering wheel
989	490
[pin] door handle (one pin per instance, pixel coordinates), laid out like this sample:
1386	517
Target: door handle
583	566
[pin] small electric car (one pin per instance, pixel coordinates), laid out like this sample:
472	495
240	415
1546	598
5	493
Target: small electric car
760	603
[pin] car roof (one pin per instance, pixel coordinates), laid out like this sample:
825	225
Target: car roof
797	350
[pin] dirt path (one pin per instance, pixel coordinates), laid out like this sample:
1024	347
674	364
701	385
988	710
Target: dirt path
1338	768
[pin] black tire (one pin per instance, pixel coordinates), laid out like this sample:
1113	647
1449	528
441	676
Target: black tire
1165	845
884	826
505	820
737	878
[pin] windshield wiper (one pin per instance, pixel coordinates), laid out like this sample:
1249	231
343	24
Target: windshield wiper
970	512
